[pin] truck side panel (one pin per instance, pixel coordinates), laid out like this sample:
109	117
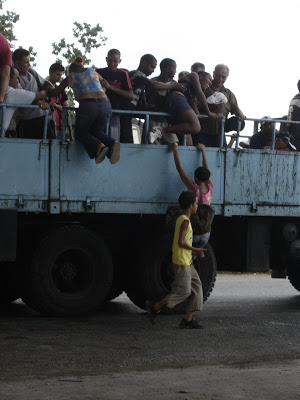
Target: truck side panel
262	183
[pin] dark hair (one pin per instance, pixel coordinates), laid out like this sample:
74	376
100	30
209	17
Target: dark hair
18	54
78	61
298	84
148	58
198	65
56	67
186	199
202	174
114	52
203	74
166	63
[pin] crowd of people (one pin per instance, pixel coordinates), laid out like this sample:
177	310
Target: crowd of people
100	90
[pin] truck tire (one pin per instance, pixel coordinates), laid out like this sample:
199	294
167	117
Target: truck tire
153	275
8	283
71	273
294	278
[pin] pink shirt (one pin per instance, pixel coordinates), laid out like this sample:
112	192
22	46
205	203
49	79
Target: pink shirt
206	197
5	52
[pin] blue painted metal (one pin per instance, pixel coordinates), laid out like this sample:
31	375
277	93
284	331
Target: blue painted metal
58	176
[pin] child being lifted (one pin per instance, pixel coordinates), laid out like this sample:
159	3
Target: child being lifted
187	284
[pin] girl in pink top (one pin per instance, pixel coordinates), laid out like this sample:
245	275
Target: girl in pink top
201	183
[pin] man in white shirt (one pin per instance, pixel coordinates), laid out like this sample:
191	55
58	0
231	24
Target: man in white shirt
14	95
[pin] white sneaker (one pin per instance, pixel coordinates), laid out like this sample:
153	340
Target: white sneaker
155	134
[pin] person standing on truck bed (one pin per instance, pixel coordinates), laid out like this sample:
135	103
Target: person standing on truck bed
119	91
263	138
93	113
31	121
140	82
6	65
294	115
15	95
220	100
187	284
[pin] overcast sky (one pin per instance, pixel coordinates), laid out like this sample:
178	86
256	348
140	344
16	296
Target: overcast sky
257	39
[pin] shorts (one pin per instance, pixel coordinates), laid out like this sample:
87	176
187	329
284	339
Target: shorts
176	104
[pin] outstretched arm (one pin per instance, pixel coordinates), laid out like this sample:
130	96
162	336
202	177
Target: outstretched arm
183	175
128	94
201	147
64	83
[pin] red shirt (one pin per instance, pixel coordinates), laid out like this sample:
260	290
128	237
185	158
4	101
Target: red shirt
5	52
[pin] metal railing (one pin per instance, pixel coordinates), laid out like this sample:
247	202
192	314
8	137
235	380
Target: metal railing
146	115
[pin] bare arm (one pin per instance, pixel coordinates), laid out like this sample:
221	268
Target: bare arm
128	94
194	79
183	175
240	114
154	85
201	147
182	243
64	83
4	80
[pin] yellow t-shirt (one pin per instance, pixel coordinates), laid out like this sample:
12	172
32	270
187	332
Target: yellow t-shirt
180	255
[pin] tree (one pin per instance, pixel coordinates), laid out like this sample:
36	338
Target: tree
88	38
7	22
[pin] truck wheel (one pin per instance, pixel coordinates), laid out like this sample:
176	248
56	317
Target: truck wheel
154	274
8	283
71	273
294	278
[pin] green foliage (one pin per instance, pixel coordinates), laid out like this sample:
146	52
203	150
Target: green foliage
7	22
88	38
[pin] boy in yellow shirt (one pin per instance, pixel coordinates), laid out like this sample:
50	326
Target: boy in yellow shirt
187	284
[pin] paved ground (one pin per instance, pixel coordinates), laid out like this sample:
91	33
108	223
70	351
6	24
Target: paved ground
249	349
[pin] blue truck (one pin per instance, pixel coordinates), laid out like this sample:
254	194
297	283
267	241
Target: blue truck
74	234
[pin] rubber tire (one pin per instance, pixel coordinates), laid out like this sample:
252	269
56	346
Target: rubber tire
294	278
8	283
71	273
154	275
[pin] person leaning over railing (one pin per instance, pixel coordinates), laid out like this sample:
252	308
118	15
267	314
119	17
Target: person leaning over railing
93	113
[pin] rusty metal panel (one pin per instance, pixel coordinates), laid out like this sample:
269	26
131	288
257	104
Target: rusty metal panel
262	183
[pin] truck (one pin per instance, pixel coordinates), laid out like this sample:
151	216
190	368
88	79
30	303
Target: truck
74	234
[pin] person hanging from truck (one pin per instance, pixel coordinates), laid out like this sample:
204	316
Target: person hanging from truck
201	185
93	113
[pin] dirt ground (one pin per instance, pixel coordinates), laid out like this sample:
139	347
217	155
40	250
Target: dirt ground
249	349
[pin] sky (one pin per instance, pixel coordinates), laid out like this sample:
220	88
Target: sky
257	39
